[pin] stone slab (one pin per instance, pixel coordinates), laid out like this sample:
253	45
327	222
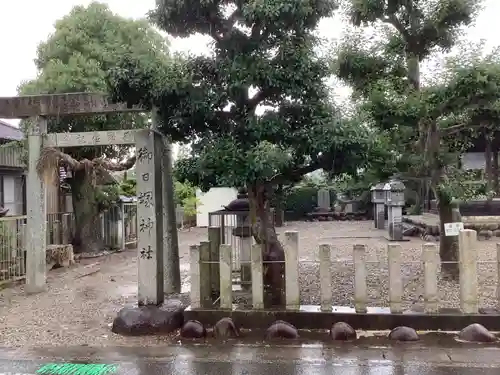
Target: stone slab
60	104
97	138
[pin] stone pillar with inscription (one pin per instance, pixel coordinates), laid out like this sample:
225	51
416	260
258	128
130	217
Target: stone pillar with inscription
149	151
378	200
171	245
36	222
172	272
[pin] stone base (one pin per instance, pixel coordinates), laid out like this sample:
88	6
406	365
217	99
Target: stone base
311	317
427	226
149	320
59	256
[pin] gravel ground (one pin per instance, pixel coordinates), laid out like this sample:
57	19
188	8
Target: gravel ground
82	301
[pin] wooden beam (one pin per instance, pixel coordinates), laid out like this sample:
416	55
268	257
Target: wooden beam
101	138
59	105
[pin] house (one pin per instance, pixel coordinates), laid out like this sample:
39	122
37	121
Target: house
12	171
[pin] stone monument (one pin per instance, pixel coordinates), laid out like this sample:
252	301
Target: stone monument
395	200
378	200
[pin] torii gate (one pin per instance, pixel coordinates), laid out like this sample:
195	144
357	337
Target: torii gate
157	242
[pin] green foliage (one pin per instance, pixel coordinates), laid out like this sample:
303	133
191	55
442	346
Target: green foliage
75	58
184	193
128	187
107	196
190	205
264	55
299	201
462	186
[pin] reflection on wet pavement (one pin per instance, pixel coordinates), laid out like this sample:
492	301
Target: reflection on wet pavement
179	366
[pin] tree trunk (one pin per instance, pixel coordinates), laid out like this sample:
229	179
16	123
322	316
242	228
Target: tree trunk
488	156
496	186
448	245
88	235
273	253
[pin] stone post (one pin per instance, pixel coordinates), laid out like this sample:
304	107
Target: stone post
194	270
292	270
467	250
395	278
325	277
214	239
205	276
324	199
245	262
430	255
120	224
171	245
226	279
149	147
378	200
395	201
360	286
66	235
257	278
172	275
36	239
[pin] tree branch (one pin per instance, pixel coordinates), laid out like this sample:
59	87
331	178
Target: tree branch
394	21
49	162
450	130
296	174
113	166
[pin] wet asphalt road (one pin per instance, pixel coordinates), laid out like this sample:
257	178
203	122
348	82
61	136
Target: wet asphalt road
220	368
263	360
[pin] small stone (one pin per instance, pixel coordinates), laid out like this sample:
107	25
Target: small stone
403	334
484	234
476	333
193	329
225	328
149	320
492	226
283	330
343	332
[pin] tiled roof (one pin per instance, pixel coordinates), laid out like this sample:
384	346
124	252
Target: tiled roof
10	132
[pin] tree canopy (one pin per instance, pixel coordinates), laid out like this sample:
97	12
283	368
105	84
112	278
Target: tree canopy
86	43
257	110
76	57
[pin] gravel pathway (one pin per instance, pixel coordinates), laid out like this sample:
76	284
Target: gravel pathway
81	302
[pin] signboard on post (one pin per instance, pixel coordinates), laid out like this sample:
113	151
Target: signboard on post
453	229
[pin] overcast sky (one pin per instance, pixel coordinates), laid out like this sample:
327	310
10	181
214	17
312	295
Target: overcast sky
27	22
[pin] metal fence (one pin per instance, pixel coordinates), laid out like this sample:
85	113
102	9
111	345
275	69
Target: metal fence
118	230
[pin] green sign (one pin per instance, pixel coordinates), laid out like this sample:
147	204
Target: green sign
76	369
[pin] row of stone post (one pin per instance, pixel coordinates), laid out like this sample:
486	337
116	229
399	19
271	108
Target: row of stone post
205	257
390	195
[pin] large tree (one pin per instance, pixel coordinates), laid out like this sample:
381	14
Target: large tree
257	109
75	58
387	75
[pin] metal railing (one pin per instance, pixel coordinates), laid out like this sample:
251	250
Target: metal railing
118	230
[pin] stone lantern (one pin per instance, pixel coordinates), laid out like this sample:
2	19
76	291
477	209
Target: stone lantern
395	201
378	200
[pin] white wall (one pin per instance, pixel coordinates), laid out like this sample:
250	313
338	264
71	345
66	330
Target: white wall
213	200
